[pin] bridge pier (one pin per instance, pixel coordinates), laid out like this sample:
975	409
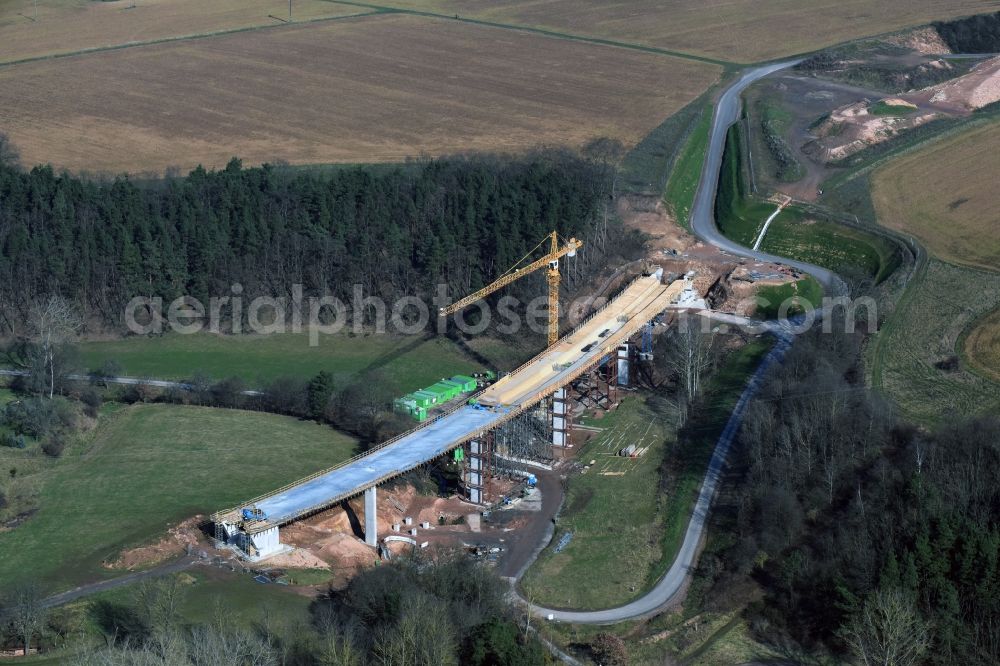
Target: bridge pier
371	518
474	473
623	362
560	418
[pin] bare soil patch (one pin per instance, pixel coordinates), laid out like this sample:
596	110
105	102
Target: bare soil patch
178	538
922	40
854	127
730	283
832	120
332	539
372	89
974	90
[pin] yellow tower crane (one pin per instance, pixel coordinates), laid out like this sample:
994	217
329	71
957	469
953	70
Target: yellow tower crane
551	260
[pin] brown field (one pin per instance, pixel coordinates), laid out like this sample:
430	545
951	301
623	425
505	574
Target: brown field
379	88
982	346
68	26
946	195
722	29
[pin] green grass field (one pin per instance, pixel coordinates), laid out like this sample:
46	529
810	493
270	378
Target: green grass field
882	108
686	174
146	467
612	510
770	299
410	361
625	533
830	245
926	330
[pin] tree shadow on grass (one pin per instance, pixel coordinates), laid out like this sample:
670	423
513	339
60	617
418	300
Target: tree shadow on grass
118	622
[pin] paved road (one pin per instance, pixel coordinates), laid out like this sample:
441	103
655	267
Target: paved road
100	586
126	381
703	225
673	581
703	211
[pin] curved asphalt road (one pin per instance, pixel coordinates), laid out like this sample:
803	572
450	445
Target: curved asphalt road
703	226
703	211
674	579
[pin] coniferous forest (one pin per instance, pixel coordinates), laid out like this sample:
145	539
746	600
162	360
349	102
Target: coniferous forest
394	230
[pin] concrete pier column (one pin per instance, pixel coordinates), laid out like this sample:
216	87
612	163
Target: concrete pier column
371	518
474	472
622	360
560	418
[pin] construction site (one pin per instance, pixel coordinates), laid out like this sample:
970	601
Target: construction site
493	434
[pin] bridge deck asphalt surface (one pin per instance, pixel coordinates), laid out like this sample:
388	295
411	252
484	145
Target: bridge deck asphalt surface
642	300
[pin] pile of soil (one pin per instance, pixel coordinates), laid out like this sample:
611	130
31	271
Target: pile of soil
974	90
175	543
922	40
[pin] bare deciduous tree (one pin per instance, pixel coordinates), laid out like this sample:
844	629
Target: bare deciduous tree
888	631
609	650
54	323
27	613
339	649
423	635
8	153
159	603
690	354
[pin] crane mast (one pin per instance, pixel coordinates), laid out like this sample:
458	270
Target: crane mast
551	260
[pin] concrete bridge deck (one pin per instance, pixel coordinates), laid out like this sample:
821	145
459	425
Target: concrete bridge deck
554	368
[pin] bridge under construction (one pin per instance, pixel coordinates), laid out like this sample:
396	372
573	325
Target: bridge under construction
601	339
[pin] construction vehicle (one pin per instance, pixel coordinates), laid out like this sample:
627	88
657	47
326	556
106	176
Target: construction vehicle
253	513
551	260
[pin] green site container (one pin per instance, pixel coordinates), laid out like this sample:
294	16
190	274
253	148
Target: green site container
459	454
419	413
424	398
443	391
491	375
458	388
467	384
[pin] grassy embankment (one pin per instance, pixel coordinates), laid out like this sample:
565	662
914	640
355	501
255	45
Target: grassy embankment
410	361
686	174
626	531
146	467
770	299
793	233
773	159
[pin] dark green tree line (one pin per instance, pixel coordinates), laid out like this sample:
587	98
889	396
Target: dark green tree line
394	231
866	534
